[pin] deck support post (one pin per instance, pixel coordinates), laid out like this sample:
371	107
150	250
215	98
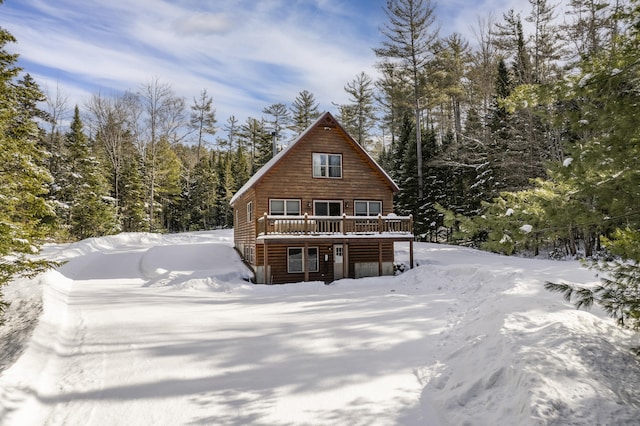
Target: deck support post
305	260
379	258
411	254
345	260
266	263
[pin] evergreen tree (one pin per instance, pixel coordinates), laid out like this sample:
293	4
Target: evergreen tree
132	193
168	189
393	99
164	117
278	118
113	122
256	137
304	111
499	122
592	27
358	116
241	168
232	129
24	213
547	46
225	190
409	37
204	195
410	200
202	120
91	213
449	74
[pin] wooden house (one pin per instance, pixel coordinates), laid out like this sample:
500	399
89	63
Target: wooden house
320	210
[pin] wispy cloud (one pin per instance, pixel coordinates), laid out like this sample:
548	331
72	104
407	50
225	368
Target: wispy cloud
247	54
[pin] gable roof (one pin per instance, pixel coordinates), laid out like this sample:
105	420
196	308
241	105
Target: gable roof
326	118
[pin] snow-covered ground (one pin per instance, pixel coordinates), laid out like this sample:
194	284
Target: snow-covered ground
163	329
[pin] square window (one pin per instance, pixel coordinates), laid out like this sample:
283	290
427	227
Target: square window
327	165
276	207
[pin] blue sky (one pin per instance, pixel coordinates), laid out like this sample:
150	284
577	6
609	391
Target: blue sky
247	54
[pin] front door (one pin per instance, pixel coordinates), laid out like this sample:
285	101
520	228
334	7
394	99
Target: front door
327	208
338	261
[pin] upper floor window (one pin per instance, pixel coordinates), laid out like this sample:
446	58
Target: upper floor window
327	165
367	208
284	207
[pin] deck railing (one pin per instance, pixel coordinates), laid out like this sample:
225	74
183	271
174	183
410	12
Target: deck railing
322	225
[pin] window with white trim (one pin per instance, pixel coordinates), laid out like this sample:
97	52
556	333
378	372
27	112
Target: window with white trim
296	260
327	165
250	211
284	207
367	208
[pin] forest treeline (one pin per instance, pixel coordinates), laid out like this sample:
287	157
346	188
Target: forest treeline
520	140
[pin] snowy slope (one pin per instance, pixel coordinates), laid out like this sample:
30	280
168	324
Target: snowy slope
163	329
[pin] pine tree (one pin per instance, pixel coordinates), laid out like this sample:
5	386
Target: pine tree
409	37
241	168
499	122
202	120
256	137
304	111
278	118
132	194
232	129
225	190
91	213
449	70
393	99
168	189
204	195
547	46
358	116
24	213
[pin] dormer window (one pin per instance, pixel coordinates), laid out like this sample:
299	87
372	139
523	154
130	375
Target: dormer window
327	165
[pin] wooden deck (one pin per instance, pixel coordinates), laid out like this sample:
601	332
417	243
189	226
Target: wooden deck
333	225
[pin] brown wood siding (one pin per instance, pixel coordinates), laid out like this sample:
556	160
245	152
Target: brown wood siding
278	262
365	251
293	177
244	231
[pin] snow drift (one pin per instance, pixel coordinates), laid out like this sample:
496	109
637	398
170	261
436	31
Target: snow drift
165	329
